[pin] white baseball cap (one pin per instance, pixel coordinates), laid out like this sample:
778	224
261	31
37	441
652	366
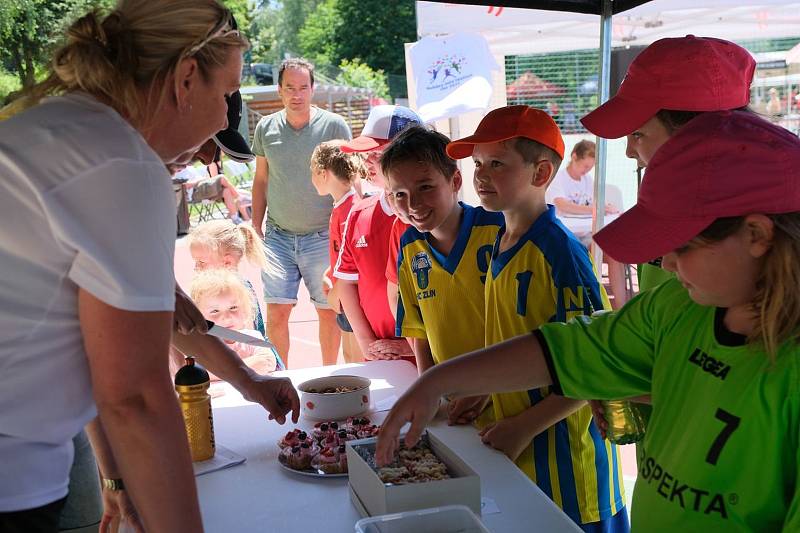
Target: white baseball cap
383	123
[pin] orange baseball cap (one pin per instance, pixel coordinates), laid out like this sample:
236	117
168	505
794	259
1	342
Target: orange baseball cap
509	122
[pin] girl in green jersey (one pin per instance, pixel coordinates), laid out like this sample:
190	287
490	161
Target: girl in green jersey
670	82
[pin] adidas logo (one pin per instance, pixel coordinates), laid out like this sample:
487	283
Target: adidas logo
361	242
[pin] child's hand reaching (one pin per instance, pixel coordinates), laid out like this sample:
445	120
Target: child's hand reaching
508	436
465	410
388	349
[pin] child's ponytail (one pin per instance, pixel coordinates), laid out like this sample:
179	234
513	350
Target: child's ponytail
253	246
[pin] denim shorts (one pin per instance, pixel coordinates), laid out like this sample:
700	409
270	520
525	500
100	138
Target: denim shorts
291	256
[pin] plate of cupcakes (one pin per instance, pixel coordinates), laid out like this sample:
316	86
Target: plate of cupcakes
320	452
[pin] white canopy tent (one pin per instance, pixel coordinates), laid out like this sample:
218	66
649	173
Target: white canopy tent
524	31
515	31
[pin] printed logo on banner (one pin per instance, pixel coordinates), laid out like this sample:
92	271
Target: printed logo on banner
447	72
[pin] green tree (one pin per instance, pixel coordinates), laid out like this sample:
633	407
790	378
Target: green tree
30	28
317	38
357	74
374	31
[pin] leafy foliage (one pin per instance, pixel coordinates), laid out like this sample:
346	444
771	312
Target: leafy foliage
8	84
357	74
30	28
317	37
374	31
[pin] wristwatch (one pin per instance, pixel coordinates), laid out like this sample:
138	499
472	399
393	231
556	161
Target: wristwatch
112	484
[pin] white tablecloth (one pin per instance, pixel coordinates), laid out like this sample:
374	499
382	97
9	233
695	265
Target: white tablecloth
260	496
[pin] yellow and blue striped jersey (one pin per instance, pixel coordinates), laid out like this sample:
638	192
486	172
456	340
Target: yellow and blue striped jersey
548	276
441	297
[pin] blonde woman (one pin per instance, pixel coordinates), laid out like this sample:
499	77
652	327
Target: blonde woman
86	249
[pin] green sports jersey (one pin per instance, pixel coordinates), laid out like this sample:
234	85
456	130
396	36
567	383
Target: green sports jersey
722	448
651	276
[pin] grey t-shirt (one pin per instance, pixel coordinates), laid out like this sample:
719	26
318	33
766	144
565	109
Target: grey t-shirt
292	202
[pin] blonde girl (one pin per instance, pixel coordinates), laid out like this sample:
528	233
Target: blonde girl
339	175
223	299
223	244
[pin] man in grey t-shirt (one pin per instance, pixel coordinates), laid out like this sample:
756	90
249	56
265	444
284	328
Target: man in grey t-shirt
296	230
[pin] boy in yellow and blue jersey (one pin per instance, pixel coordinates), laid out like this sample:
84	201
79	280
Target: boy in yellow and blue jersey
539	272
444	255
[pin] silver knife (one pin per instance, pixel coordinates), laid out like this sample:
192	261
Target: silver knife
236	336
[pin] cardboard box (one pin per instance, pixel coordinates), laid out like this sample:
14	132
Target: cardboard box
373	497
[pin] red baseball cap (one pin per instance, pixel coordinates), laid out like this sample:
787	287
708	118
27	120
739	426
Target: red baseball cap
722	164
509	122
683	74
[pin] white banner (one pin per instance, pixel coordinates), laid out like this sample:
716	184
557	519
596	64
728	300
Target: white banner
453	75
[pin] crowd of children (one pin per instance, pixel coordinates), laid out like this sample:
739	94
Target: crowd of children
714	351
417	274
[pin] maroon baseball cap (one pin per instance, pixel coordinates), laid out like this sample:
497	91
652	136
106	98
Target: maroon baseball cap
722	164
683	74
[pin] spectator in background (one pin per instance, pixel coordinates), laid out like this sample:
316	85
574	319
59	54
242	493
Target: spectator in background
203	183
572	192
296	230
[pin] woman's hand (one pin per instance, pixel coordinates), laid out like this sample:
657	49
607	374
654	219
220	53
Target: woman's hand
276	395
118	508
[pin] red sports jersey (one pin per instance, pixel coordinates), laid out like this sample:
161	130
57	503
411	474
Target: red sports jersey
336	225
365	250
398	228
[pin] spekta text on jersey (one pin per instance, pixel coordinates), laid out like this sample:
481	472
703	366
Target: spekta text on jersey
674	491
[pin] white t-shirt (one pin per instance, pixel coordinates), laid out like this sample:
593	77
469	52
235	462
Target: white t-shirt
85	203
580	192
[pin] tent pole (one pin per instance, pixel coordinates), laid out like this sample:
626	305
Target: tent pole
602	149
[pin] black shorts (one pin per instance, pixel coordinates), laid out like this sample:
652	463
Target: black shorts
42	519
344	324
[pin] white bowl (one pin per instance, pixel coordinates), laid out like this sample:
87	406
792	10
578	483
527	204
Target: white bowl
334	405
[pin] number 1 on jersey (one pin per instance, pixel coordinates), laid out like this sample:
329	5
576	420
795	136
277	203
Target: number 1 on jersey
523	283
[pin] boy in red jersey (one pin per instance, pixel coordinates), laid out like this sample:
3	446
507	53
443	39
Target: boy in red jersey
361	267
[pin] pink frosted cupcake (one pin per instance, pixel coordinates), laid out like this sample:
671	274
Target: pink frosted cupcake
368	431
329	461
291	439
300	457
